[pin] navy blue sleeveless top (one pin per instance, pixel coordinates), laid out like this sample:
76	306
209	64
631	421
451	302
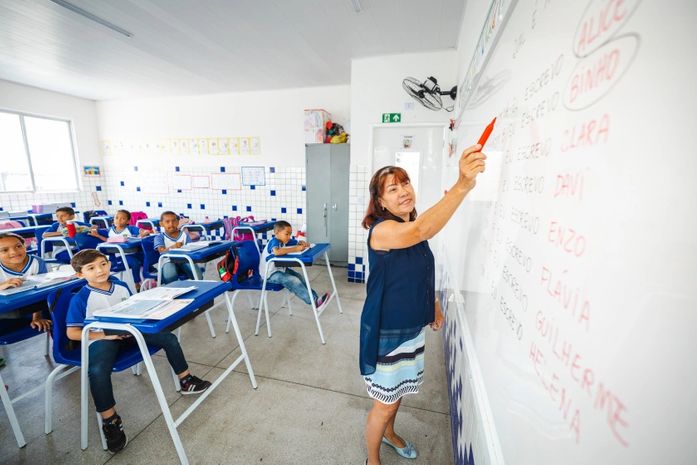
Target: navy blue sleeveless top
400	299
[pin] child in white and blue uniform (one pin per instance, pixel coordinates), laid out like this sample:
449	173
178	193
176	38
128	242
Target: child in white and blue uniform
282	244
60	228
15	266
122	227
172	237
101	292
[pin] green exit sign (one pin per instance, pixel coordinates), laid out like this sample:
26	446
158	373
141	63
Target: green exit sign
391	117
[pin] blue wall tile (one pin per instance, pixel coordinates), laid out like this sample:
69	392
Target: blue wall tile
273	193
120	202
122	183
159	204
135	168
99	188
234	208
147	204
283	209
72	204
224	191
176	168
299	211
109	202
188	205
252	187
272	169
203	206
222	169
249	208
138	189
359	260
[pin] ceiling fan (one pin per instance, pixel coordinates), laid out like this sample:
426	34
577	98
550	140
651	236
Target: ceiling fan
428	93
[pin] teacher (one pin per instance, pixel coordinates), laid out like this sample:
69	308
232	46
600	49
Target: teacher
400	299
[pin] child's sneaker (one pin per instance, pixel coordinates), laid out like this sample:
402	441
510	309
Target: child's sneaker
193	385
113	432
321	300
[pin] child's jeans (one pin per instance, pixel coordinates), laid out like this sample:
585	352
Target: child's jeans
292	281
171	271
103	354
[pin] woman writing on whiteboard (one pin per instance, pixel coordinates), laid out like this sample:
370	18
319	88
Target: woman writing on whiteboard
401	298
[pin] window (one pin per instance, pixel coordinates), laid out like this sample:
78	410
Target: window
37	154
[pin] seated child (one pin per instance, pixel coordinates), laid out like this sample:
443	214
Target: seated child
172	237
15	265
103	291
60	228
280	245
121	228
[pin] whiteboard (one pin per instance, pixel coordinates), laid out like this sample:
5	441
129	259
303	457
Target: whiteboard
571	269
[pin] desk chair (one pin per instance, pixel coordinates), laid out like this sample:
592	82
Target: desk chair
18	335
248	259
119	263
316	312
67	354
46	245
150	273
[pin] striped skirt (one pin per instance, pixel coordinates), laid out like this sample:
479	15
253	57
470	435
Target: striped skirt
398	373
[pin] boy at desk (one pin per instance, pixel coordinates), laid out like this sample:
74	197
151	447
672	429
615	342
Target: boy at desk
172	237
103	291
122	228
15	267
60	228
283	244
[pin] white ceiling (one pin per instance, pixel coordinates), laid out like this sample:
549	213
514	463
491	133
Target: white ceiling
186	47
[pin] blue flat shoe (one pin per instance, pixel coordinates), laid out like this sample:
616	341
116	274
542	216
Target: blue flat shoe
408	451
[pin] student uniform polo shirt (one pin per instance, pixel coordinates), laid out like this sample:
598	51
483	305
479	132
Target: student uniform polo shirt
90	299
163	240
268	254
128	231
35	265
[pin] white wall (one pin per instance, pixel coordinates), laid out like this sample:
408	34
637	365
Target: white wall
275	116
83	114
376	88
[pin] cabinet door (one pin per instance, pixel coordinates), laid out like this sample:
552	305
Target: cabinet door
318	195
338	209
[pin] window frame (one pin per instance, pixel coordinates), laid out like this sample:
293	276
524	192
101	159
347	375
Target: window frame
27	153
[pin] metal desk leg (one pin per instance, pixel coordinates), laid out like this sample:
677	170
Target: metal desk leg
315	310
240	340
331	277
9	409
166	413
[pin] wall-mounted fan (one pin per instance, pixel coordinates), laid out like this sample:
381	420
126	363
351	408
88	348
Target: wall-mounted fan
428	93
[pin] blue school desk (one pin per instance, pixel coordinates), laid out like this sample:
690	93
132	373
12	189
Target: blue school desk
260	227
121	249
200	256
12	302
302	260
65	241
33	219
205	293
27	231
205	229
103	222
149	223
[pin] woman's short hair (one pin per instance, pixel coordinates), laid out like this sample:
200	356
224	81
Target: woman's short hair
377	188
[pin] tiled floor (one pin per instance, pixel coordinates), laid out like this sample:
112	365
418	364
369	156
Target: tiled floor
310	406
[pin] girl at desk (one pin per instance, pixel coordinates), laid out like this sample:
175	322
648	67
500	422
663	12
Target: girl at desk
15	265
122	228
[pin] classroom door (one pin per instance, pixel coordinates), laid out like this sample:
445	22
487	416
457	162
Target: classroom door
327	181
417	149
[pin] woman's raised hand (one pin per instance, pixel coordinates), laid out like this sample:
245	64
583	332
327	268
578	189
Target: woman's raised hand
471	164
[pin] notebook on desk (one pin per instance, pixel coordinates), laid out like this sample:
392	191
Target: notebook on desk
191	246
38	281
153	304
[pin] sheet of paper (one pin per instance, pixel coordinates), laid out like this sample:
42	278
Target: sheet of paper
162	293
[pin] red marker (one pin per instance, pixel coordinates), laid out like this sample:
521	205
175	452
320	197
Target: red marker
486	133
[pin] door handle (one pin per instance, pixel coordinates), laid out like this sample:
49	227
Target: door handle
326	229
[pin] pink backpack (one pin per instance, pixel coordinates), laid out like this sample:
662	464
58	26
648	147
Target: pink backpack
137	216
230	223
